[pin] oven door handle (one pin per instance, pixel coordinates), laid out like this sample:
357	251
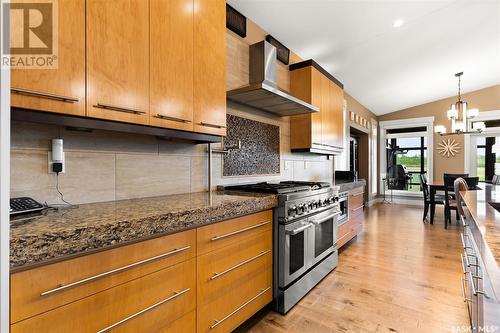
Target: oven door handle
319	221
296	231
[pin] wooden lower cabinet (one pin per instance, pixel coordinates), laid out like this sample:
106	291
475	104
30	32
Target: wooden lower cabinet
142	305
234	282
354	225
221	275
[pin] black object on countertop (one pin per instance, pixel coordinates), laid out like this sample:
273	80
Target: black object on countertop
495	205
344	175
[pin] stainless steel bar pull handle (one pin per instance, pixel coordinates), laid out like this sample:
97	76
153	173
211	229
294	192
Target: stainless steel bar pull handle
296	231
464	223
180	120
117	270
462	282
211	125
356	209
175	295
118	108
40	94
319	221
216	275
218	322
463	242
239	231
474	290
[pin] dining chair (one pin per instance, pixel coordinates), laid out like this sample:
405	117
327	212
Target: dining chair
471	182
450	202
460	184
456	175
438	199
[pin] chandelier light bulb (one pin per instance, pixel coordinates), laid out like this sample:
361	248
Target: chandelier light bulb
452	114
472	113
440	129
479	126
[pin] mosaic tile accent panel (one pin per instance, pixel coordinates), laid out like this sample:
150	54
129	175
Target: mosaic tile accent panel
260	148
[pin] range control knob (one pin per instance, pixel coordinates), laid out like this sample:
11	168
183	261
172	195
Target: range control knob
314	204
292	211
301	209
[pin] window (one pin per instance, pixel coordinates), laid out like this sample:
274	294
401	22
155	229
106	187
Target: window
488	163
410	152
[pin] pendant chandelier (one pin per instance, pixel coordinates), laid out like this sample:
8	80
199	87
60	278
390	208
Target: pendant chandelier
461	117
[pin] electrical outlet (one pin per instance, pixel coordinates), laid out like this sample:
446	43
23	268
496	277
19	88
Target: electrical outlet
49	160
306	164
287	165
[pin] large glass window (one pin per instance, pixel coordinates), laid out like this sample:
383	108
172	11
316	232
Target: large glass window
408	157
488	161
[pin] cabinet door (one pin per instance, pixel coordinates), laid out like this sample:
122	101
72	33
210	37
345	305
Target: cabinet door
317	100
336	116
171	70
59	90
210	67
118	60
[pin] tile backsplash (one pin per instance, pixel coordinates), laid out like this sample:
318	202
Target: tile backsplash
260	148
105	166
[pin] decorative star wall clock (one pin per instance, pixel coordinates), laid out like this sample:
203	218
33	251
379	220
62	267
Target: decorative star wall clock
448	148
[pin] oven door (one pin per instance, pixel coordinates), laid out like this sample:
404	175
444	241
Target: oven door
294	258
323	234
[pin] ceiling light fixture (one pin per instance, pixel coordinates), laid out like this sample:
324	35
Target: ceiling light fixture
460	117
398	23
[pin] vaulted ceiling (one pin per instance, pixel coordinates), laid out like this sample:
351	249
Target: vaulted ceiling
388	68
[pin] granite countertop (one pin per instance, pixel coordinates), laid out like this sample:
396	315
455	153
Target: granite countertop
67	232
486	217
347	185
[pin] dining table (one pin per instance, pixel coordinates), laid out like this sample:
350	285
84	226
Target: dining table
434	187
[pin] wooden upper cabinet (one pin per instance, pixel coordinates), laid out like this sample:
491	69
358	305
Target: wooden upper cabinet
210	66
336	116
118	60
59	90
171	63
320	132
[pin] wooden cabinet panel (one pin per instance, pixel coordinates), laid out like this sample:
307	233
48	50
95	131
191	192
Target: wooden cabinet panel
335	116
218	235
226	268
301	125
185	324
118	60
171	69
356	199
68	80
165	295
317	99
210	66
237	302
27	286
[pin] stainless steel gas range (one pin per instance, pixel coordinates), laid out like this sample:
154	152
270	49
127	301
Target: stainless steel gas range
305	236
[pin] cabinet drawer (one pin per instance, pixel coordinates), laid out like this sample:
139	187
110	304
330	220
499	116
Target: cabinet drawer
356	213
41	289
235	303
218	235
224	269
356	199
145	304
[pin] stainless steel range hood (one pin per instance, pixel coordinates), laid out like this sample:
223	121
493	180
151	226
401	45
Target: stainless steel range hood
263	93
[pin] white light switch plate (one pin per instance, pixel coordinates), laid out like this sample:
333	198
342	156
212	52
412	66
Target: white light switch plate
287	165
50	163
306	164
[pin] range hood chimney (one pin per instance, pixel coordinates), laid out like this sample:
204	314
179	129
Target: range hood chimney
263	92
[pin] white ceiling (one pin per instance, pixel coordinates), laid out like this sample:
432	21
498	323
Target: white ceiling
386	68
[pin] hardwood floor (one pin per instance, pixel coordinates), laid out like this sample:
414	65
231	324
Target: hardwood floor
400	275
